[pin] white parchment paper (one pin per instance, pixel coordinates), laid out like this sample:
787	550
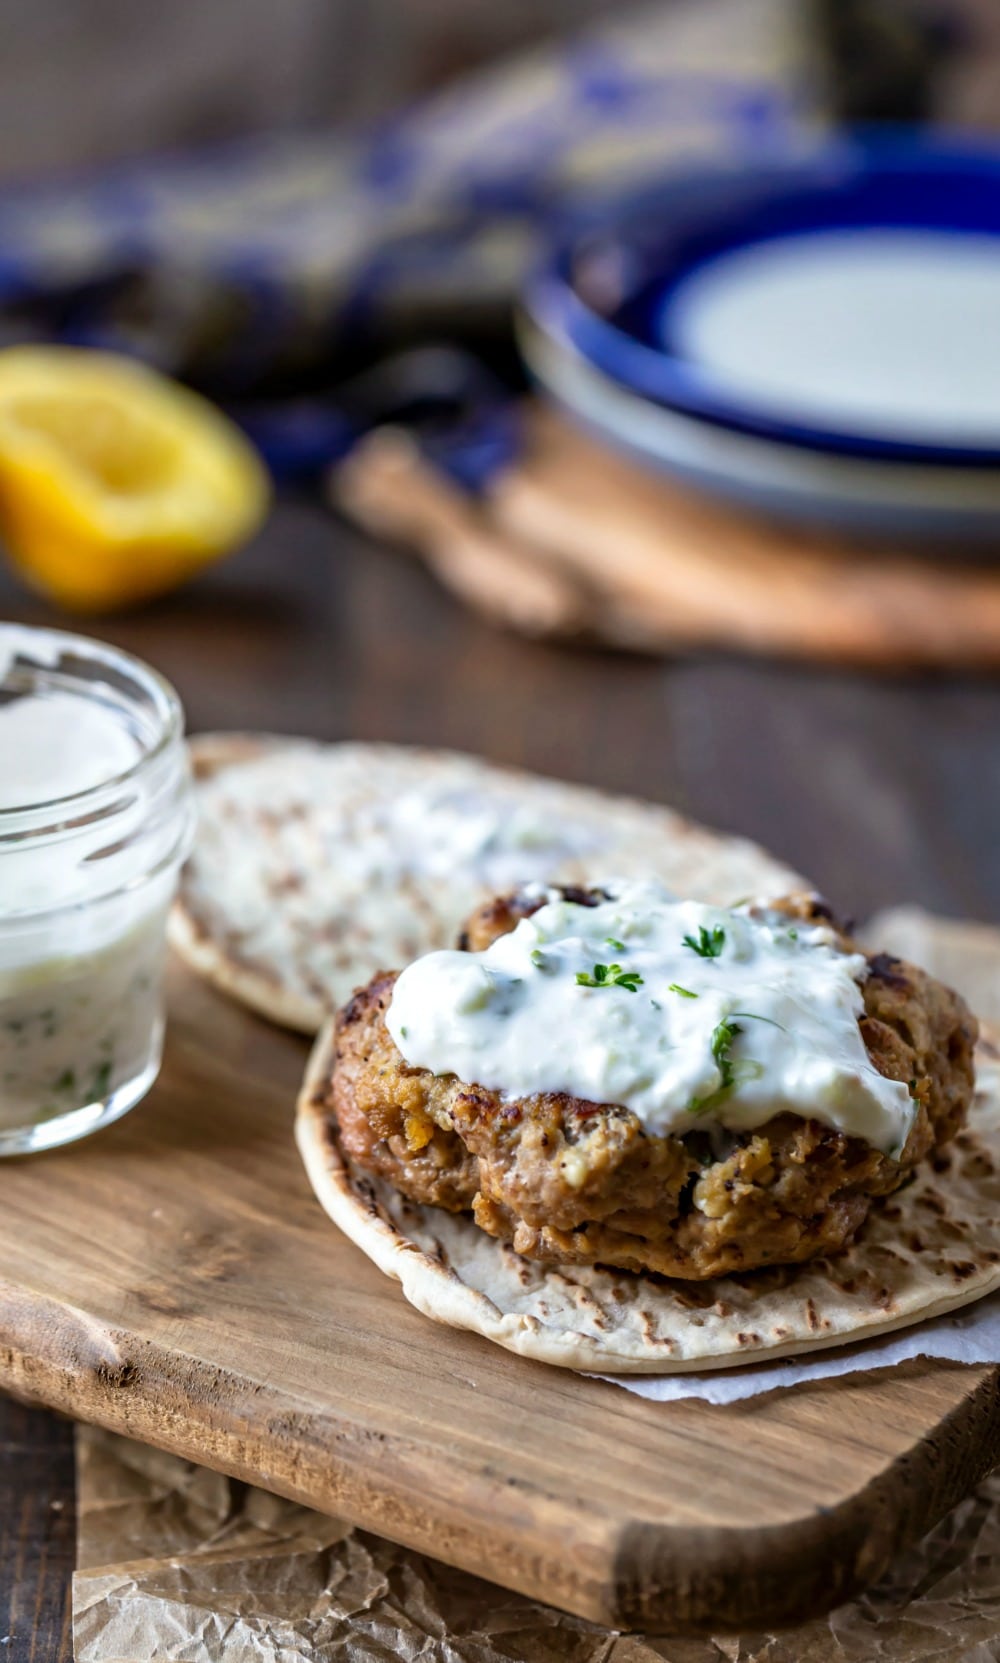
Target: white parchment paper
970	1336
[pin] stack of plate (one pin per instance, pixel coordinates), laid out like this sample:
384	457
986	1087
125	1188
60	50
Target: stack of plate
819	339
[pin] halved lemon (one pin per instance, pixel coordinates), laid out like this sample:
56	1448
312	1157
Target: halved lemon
115	482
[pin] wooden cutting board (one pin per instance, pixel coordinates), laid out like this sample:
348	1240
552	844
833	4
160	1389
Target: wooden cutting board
173	1279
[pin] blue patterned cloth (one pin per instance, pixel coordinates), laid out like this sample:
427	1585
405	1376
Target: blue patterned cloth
277	255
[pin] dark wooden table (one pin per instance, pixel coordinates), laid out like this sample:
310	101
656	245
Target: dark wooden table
881	790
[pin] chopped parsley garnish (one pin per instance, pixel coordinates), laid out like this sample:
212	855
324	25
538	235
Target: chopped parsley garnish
685	992
751	1016
793	935
619	946
610	975
721	1045
709	943
537	957
731	1070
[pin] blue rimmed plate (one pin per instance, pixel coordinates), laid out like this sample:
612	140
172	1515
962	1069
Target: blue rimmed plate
847	302
936	507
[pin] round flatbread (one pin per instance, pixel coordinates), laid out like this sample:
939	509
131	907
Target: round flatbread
317	865
928	1249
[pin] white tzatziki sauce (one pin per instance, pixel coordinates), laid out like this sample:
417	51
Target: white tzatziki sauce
81	949
59	744
682	1012
73	1029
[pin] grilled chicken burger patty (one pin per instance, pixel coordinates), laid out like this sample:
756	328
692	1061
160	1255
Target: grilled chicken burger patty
570	1181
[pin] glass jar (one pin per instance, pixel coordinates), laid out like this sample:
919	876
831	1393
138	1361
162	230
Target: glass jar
95	819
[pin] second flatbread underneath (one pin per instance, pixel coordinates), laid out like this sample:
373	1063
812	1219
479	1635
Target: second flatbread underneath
317	865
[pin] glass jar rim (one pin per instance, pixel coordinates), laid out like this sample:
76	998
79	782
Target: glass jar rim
165	701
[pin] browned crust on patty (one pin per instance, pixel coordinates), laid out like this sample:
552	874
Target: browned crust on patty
503	913
381	1109
574	1182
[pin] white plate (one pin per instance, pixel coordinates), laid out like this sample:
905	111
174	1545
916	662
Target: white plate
864	496
887	332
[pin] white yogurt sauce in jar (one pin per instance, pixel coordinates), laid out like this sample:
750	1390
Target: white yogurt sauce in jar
95	819
682	1012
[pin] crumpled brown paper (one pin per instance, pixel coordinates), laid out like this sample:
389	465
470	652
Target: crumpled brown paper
179	1563
182	1565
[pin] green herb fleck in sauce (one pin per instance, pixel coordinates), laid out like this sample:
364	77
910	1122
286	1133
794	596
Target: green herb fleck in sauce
709	943
102	1080
721	1043
610	975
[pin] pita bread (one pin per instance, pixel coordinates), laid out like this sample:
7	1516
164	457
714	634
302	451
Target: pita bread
317	865
928	1249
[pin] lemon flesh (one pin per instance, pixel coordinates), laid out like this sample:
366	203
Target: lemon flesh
115	482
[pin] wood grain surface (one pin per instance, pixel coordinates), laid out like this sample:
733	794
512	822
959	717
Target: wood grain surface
37	1533
885	790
